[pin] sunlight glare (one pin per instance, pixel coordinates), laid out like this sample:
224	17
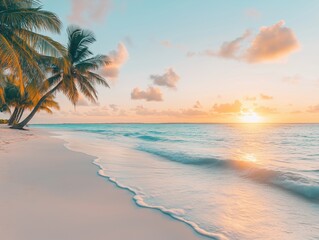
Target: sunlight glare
250	117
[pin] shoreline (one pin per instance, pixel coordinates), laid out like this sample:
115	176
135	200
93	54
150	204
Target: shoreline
138	201
58	194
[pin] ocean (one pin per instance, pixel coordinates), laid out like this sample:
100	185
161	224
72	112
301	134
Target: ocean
227	181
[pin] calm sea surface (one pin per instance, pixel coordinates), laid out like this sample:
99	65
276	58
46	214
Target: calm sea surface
228	181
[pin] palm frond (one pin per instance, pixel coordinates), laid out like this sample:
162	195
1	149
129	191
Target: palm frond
42	44
93	63
87	88
33	19
9	58
31	68
96	78
79	40
68	87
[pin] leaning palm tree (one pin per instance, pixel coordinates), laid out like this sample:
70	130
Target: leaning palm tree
76	72
15	100
20	42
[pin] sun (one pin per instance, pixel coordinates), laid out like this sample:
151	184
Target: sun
250	117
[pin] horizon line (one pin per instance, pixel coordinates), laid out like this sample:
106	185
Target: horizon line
260	123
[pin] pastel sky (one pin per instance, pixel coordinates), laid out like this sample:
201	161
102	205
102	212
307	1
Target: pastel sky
198	61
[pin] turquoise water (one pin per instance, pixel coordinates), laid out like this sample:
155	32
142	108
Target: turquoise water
227	181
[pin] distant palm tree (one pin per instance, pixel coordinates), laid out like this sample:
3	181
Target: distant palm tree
75	72
20	42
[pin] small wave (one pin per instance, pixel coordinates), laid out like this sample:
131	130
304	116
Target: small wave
150	138
91	130
174	213
292	182
143	137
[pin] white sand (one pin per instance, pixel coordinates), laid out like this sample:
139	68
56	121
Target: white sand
48	192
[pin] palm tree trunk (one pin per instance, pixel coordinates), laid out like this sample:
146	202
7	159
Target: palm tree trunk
22	124
17	117
13	116
20	115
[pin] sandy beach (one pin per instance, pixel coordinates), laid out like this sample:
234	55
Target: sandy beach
49	192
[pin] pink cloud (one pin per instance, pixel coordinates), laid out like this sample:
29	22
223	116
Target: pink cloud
151	94
168	79
250	98
197	105
114	107
118	58
266	97
187	112
272	43
313	109
88	11
230	49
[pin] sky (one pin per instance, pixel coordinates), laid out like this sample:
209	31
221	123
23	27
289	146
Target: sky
198	61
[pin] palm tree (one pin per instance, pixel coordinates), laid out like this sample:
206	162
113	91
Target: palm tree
75	73
12	98
20	42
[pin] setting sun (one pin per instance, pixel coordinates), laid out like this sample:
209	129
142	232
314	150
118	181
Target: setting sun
250	117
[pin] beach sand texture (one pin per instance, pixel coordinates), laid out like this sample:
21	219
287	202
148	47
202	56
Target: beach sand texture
48	192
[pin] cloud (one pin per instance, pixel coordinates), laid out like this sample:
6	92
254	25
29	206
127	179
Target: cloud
197	105
168	79
98	111
151	94
168	44
234	107
187	112
266	97
272	43
230	49
106	110
313	109
142	111
118	58
193	112
88	11
250	98
114	107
